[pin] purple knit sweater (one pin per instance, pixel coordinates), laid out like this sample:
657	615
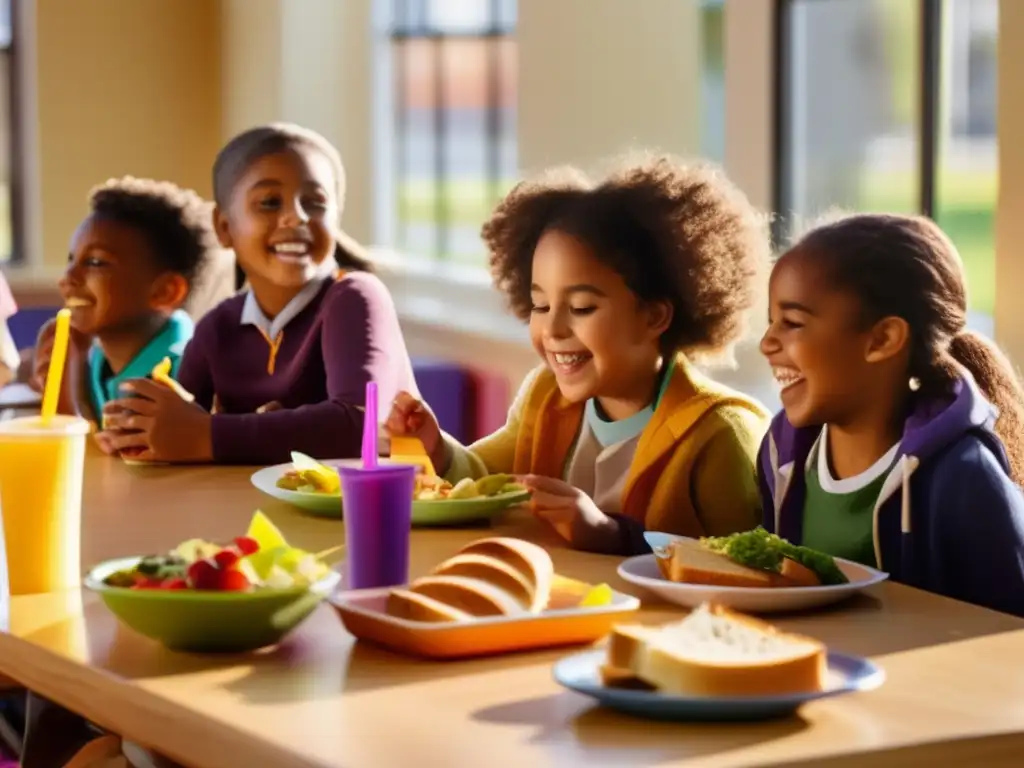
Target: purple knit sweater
348	335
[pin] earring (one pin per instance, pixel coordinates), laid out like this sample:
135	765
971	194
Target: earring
914	383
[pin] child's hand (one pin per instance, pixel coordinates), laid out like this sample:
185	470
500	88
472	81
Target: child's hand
78	344
410	417
569	510
160	423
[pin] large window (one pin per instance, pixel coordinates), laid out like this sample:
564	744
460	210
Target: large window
447	133
889	105
8	175
712	79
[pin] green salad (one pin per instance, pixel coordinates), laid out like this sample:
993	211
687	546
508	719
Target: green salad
760	549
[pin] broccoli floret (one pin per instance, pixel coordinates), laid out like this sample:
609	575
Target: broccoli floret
760	549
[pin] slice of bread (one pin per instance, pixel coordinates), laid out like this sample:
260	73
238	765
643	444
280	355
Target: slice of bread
403	604
489	568
686	560
475	597
528	559
716	652
490	577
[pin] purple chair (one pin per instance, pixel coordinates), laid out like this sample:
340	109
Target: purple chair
26	322
449	391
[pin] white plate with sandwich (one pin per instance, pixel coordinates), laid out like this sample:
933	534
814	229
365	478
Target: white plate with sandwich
713	665
754	571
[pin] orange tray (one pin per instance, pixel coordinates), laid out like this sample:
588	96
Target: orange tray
363	614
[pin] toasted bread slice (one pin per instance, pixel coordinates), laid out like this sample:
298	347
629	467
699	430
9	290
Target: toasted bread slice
615	677
531	561
796	574
688	561
475	597
403	604
716	652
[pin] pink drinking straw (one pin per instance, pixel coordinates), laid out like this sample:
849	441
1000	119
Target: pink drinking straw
370	427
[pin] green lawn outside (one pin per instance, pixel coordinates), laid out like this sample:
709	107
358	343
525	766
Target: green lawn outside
966	208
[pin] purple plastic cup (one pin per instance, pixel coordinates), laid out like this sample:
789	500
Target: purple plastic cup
378	515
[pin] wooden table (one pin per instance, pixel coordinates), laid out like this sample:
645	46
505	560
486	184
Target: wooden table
954	695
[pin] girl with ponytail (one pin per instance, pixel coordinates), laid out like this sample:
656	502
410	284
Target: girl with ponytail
900	444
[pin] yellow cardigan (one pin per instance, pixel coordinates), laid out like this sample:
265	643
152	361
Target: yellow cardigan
693	473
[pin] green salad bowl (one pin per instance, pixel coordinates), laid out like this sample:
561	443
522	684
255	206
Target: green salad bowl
198	621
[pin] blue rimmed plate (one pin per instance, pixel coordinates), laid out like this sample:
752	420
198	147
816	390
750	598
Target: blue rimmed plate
581	673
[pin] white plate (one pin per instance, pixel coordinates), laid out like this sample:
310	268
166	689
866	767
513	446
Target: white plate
643	572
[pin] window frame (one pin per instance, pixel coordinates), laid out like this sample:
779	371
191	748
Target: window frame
929	67
397	22
19	257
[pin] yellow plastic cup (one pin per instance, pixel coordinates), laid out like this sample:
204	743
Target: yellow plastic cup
41	468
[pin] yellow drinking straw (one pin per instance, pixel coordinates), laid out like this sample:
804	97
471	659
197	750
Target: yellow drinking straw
54	374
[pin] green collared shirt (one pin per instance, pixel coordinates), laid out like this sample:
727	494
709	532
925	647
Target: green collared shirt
169	342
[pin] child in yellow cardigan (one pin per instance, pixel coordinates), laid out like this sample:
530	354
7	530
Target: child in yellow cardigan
623	282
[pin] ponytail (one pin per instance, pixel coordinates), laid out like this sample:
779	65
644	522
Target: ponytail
349	254
998	381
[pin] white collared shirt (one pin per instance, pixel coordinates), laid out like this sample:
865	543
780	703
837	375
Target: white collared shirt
271	329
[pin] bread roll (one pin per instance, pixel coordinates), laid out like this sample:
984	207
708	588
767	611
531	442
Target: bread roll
474	597
491	577
403	604
531	561
489	568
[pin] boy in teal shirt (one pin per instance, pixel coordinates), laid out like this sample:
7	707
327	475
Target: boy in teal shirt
131	266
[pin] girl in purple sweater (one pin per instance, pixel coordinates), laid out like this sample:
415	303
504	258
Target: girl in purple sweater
286	361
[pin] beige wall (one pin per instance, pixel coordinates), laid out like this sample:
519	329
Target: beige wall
599	77
308	62
123	86
1009	317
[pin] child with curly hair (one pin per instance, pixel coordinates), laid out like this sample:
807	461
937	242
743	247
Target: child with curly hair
623	283
900	443
131	265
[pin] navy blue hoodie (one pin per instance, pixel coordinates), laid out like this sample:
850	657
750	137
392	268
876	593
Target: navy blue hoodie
949	518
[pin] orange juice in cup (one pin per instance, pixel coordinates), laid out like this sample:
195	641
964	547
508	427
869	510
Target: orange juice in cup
41	466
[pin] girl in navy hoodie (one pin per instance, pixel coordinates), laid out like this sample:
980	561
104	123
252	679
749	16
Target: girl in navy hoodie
900	444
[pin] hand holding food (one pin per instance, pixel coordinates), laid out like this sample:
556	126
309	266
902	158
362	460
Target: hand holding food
162	374
750	559
154	423
715	652
568	509
410	417
43	351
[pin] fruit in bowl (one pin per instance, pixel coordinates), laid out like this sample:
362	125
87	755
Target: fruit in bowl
208	597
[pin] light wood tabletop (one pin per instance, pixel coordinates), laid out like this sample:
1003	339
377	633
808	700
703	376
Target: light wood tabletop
954	694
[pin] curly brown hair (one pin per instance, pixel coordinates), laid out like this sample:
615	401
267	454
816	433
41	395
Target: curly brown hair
676	231
175	221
